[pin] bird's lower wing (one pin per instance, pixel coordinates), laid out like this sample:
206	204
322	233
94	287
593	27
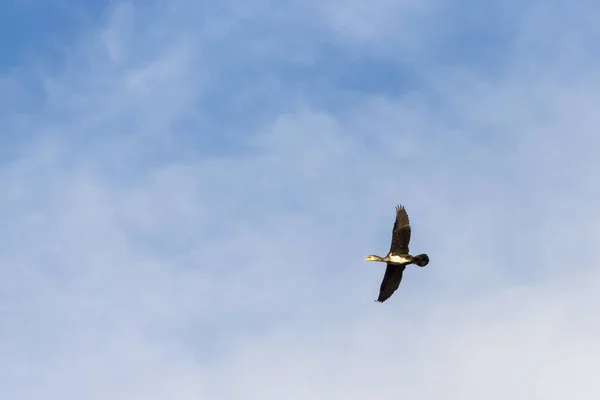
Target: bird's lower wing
391	281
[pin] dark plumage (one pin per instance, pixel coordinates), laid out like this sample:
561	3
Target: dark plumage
398	257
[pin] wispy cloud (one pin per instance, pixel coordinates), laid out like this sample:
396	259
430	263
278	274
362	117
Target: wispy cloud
189	190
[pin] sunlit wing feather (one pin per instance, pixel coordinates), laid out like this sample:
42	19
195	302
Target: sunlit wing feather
401	232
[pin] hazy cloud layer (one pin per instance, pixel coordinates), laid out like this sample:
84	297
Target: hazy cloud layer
189	192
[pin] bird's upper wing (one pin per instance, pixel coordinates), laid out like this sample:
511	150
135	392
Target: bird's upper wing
391	281
401	232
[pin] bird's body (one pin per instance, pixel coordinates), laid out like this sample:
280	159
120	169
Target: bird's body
398	257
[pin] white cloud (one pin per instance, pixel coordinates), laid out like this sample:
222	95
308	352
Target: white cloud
140	262
375	20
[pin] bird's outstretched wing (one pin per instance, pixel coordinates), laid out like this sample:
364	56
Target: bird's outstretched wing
391	281
401	232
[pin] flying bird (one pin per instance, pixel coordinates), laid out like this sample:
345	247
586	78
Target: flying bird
398	257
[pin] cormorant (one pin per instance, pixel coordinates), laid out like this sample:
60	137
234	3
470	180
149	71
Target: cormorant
398	258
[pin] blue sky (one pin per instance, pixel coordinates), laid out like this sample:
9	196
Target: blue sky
189	191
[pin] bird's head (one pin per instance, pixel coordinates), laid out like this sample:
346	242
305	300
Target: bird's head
422	260
373	258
